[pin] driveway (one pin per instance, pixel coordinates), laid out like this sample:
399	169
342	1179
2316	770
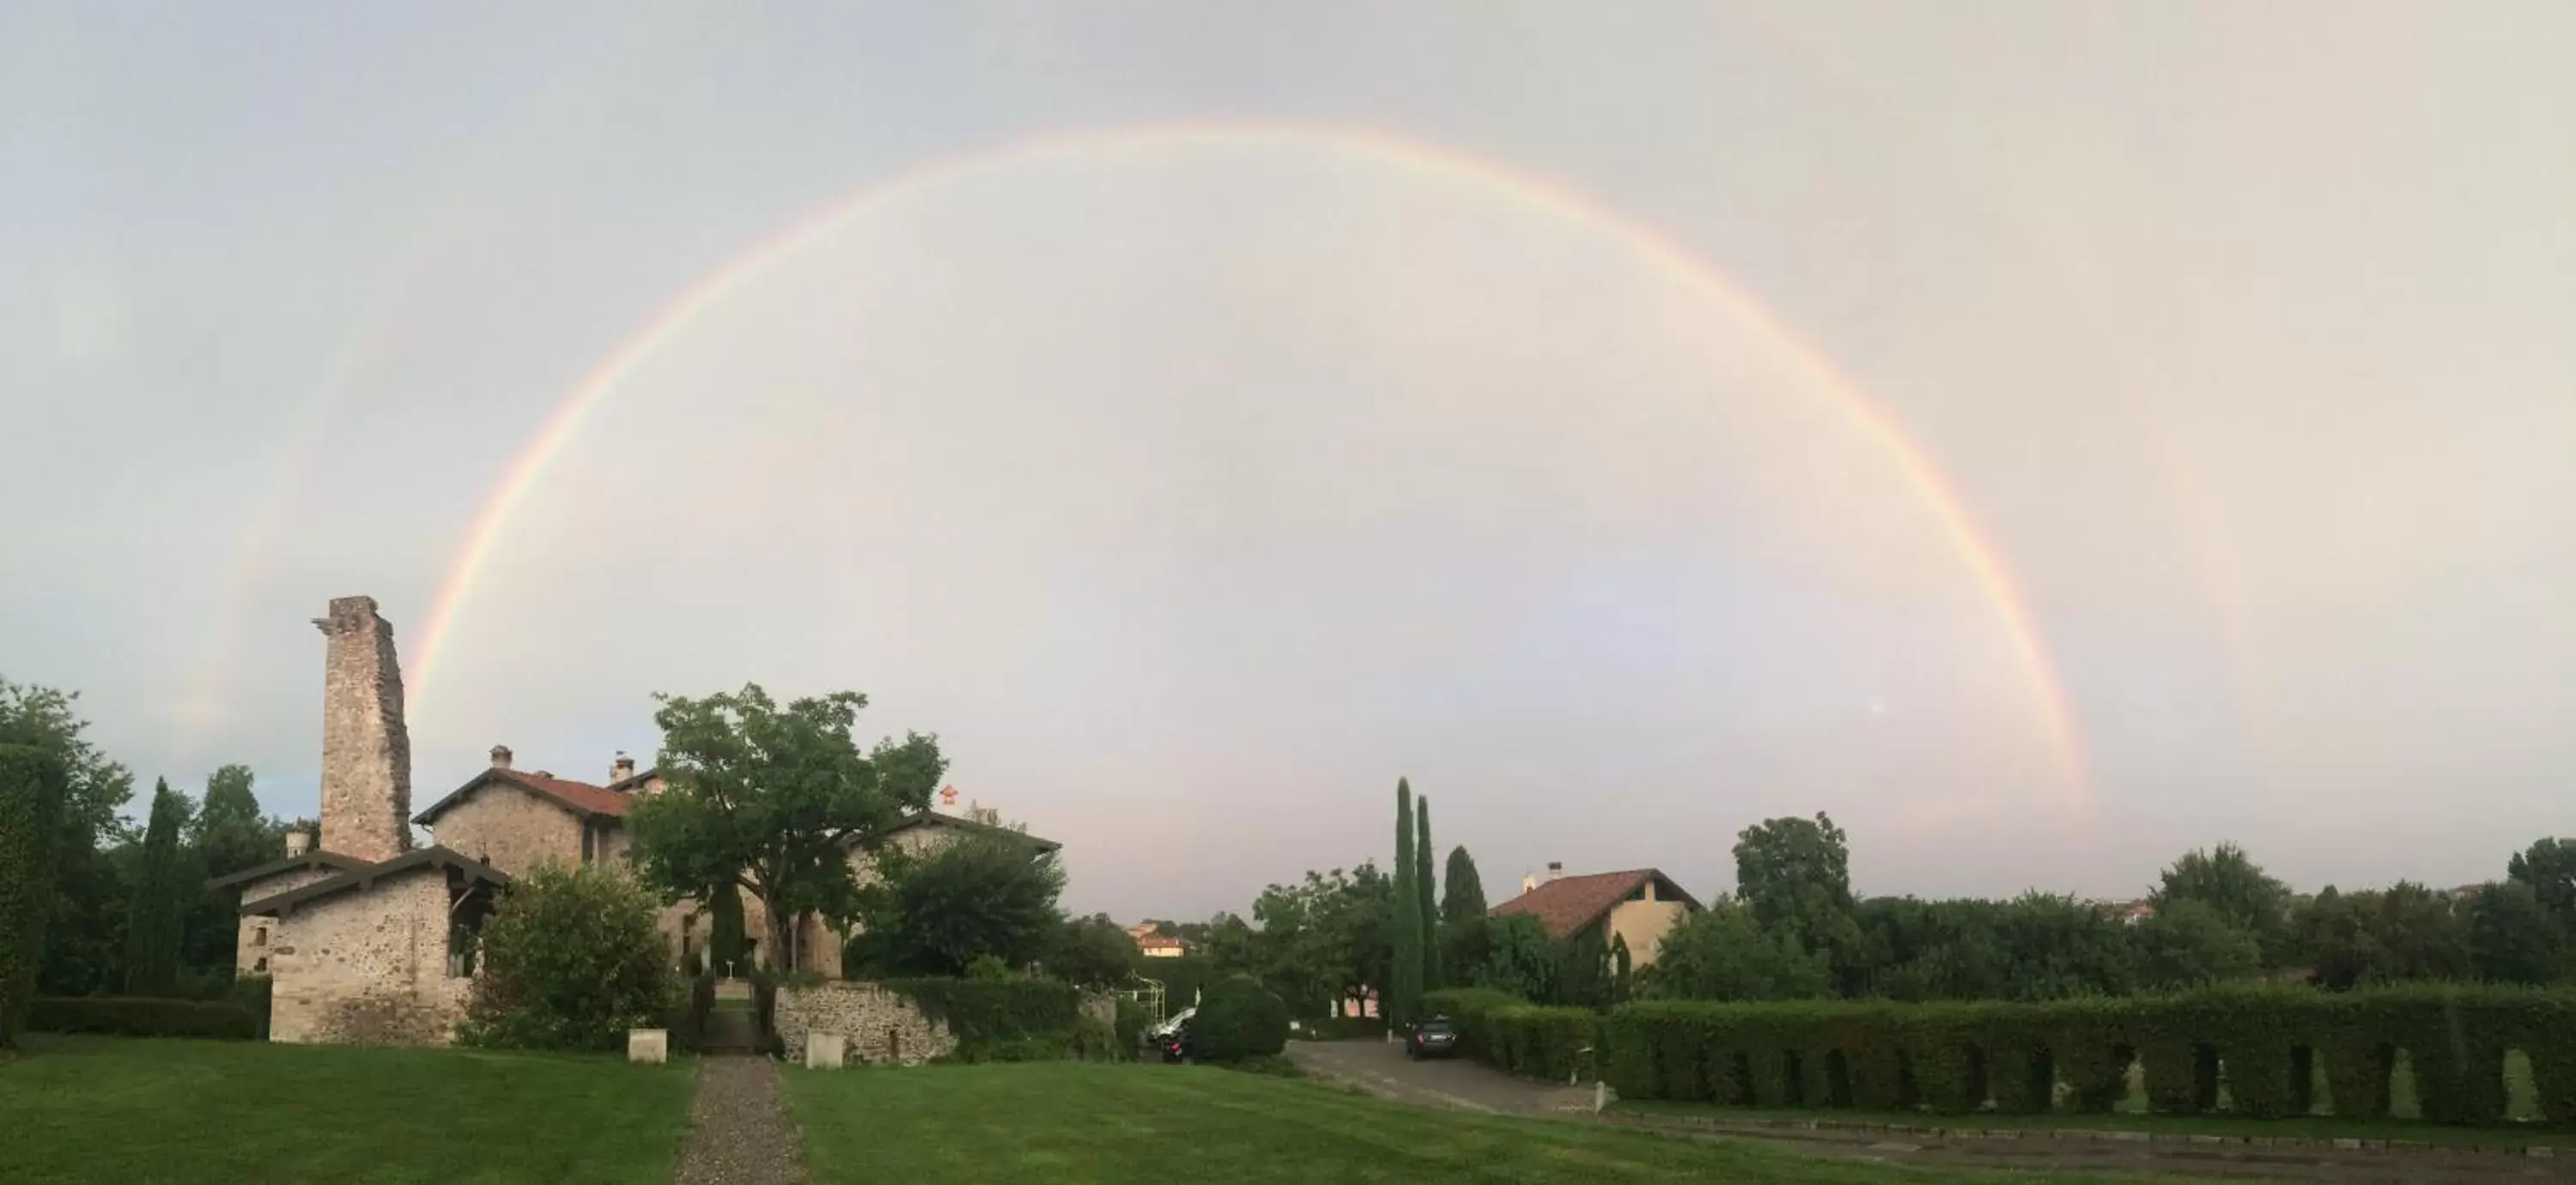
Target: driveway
1382	1069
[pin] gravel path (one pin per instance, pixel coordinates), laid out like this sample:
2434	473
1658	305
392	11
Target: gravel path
739	1133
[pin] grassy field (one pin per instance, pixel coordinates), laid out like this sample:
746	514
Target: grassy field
112	1109
1066	1124
2522	1103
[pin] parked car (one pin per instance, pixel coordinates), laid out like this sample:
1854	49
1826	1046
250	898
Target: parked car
1155	1034
1434	1037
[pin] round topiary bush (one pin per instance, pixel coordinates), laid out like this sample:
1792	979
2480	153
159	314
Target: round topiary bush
1238	1019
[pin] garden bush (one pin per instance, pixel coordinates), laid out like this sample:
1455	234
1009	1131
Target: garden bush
571	960
977	1011
1508	1033
1238	1019
2268	1040
136	1016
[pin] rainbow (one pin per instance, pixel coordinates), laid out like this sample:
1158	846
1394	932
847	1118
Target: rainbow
1966	539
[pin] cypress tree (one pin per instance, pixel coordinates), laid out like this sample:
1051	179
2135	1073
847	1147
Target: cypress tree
1406	990
152	930
1462	894
32	789
1426	891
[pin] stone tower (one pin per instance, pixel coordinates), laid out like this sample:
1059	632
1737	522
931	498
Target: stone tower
366	751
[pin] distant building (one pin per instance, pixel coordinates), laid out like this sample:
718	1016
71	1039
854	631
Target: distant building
1637	907
1158	946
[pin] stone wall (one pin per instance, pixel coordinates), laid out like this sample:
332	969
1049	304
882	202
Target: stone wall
260	934
368	967
508	826
882	1027
366	750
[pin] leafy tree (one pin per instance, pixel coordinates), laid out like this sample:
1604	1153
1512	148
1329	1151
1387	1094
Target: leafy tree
229	833
1795	876
1239	1019
1426	889
95	789
982	895
2387	936
1465	946
1405	1001
2060	947
1721	953
1462	893
87	918
32	793
570	960
2549	867
160	894
1093	952
1523	959
2230	882
725	946
2190	943
2512	937
773	800
1233	946
1324	940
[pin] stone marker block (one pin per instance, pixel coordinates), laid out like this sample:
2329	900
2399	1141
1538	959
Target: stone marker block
825	1051
650	1047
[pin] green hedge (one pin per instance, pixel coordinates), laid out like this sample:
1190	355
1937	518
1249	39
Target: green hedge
987	1014
1509	1033
1955	1058
31	801
1239	1019
123	1016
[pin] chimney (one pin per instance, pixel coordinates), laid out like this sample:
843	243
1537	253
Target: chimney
621	769
298	842
500	757
1555	869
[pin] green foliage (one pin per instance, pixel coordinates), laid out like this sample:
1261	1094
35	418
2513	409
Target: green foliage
1954	1057
1404	1000
1795	875
152	932
987	1015
570	960
1322	941
32	790
1511	1034
251	993
229	833
726	948
1093	952
977	897
2035	947
1132	1021
1426	889
2549	867
1239	1019
2405	932
118	1016
2512	937
1521	961
1462	893
2191	943
2231	884
1720	954
1184	978
774	799
94	789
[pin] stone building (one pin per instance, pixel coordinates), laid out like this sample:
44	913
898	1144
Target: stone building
368	939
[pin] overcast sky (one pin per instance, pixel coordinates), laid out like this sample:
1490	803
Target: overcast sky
1200	415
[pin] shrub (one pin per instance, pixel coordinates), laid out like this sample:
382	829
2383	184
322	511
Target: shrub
571	960
978	1011
1239	1019
126	1016
31	797
1132	1020
251	994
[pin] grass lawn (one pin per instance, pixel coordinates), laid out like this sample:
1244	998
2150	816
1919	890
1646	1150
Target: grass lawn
2522	1102
119	1109
1061	1123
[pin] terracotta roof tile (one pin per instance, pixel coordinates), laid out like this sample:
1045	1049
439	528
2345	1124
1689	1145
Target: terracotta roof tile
1569	903
579	797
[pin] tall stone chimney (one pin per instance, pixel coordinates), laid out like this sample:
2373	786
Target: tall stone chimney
298	842
621	769
366	751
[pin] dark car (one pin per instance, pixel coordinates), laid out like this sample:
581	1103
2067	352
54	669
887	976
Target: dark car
1434	1037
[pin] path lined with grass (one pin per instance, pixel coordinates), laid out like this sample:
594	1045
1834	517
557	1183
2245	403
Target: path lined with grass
739	1133
128	1110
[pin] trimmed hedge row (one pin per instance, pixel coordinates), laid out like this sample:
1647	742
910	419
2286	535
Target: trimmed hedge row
1957	1057
1509	1033
123	1016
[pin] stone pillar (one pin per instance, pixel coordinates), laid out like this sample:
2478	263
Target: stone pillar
366	750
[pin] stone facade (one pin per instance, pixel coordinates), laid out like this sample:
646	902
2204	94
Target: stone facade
511	828
881	1028
260	934
368	967
366	750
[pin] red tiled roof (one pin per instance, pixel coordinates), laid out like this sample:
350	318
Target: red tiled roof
581	798
1569	903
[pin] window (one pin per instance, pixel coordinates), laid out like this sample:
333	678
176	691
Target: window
260	967
259	936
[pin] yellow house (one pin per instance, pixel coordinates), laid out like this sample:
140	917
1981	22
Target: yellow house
1637	907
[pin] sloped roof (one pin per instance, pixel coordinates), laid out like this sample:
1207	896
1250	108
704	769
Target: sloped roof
317	858
365	876
970	826
581	798
634	781
1569	903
